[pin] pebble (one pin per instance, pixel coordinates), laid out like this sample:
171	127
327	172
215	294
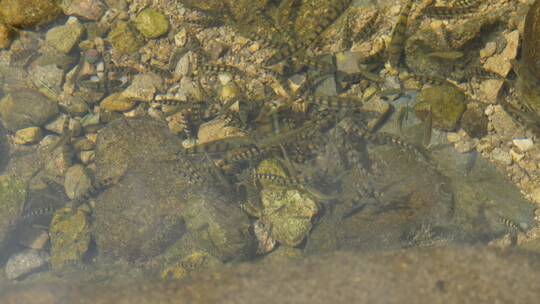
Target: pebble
143	87
516	156
25	262
26	108
90	122
501	156
124	40
327	87
65	37
489	89
57	161
117	103
500	63
524	144
535	195
48	76
28	135
77	181
474	122
151	23
82	144
348	62
57	124
444	103
85	9
86	157
216	49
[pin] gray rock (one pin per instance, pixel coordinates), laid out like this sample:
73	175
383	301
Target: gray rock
143	87
26	108
86	9
77	181
49	77
25	263
65	37
157	194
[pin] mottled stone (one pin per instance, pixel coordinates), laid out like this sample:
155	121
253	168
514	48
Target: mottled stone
28	135
85	9
474	122
25	263
501	156
65	37
117	102
152	23
124	40
445	103
26	108
143	87
77	181
27	13
70	237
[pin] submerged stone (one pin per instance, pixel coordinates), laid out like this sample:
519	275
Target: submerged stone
26	13
26	108
152	23
124	40
65	37
25	263
446	105
70	237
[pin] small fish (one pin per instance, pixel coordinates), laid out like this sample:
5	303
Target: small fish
510	224
446	55
445	12
397	41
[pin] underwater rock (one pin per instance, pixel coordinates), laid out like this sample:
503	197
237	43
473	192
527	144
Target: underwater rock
151	23
77	181
48	76
143	87
28	135
287	211
70	237
229	92
531	39
117	102
445	103
26	108
418	48
27	13
85	9
65	37
91	122
5	36
13	194
195	262
474	122
124	40
159	196
26	262
55	157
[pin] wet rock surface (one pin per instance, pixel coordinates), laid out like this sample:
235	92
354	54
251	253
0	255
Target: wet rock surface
26	108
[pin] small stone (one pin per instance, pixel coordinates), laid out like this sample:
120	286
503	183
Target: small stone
49	76
185	64
296	82
26	262
524	144
516	156
33	238
501	156
27	13
503	124
464	146
65	37
85	9
86	157
82	144
474	122
379	106
445	103
26	108
488	50
151	23
77	181
70	237
124	40
535	195
90	122
5	36
195	262
57	161
143	87
500	63
489	89
28	136
216	49
217	129
117	103
348	62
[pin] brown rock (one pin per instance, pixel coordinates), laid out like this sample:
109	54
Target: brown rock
86	9
5	36
117	103
26	13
